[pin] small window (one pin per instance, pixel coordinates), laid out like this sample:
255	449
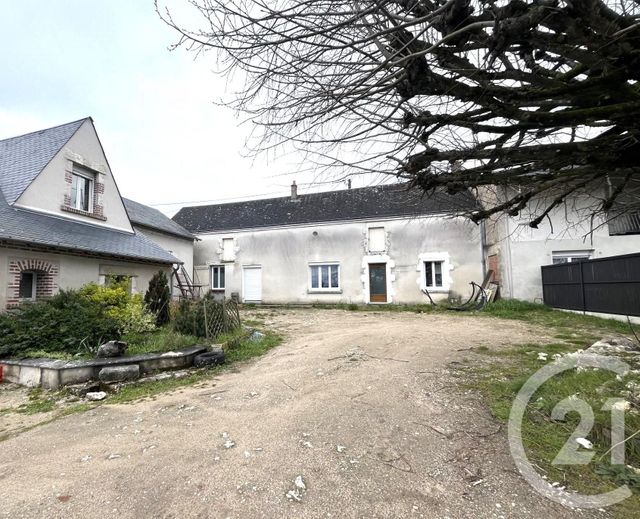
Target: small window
377	241
27	288
570	256
228	253
217	277
325	277
433	274
82	190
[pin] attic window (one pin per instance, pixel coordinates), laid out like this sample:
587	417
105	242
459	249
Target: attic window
82	190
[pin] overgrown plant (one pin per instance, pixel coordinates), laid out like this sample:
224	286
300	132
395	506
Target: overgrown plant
73	321
158	297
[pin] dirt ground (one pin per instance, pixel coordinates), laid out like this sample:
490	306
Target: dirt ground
362	406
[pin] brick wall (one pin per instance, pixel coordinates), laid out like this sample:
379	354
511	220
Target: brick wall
46	278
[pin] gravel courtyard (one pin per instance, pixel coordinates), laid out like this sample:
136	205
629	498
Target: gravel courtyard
354	415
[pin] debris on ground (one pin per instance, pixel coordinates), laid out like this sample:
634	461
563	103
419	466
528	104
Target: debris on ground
299	488
583	442
228	442
611	345
96	396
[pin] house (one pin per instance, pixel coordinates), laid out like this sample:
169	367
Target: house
382	244
515	251
63	222
163	231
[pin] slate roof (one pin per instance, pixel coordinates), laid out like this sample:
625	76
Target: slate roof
151	218
21	161
22	158
29	227
351	204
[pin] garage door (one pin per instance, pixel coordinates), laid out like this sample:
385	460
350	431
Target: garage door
252	284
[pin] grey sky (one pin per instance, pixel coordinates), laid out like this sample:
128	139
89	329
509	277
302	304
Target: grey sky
165	140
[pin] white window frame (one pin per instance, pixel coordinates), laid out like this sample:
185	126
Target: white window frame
435	257
571	255
219	268
318	265
34	284
90	178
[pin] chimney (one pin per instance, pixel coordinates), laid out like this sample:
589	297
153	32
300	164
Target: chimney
294	191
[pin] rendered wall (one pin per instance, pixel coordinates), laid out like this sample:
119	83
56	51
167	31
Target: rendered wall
523	250
285	254
76	271
47	192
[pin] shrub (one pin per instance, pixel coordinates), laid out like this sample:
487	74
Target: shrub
158	297
73	321
62	323
115	302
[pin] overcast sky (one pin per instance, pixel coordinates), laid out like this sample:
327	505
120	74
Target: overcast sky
165	140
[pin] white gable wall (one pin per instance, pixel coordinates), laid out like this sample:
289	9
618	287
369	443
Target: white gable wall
285	255
523	250
47	192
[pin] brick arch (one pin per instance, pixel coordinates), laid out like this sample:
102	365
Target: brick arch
46	278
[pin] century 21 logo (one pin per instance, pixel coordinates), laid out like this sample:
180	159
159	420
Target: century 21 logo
570	453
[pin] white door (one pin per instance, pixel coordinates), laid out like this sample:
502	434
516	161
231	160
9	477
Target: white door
251	284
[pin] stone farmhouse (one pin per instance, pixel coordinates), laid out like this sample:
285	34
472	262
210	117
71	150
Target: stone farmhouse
380	244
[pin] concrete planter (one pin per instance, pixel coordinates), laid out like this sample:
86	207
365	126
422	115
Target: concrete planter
53	374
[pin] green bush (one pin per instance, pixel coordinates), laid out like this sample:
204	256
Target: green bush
158	297
116	302
73	321
189	318
62	323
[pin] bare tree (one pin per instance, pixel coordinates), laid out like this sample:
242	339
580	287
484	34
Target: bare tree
542	96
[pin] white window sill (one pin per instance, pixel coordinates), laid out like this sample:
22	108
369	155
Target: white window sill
218	289
324	291
436	290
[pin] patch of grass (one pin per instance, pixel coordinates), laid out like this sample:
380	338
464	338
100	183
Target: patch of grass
159	341
38	403
353	307
567	324
244	349
507	370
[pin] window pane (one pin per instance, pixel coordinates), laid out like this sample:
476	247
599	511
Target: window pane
222	274
26	285
428	270
334	276
558	260
325	276
74	191
214	274
314	277
438	270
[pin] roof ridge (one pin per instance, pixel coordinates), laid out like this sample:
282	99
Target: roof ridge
303	195
46	129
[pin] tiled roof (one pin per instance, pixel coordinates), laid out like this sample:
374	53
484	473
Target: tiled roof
22	158
351	204
151	218
32	228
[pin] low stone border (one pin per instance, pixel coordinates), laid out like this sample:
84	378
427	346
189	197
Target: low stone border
52	374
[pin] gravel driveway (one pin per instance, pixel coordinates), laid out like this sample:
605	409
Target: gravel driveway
360	409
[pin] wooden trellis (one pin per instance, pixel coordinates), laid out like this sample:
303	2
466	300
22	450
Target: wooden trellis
220	317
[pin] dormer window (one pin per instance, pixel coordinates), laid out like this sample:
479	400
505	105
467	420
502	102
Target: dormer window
82	190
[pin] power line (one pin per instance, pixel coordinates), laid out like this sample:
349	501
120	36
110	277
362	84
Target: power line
218	199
